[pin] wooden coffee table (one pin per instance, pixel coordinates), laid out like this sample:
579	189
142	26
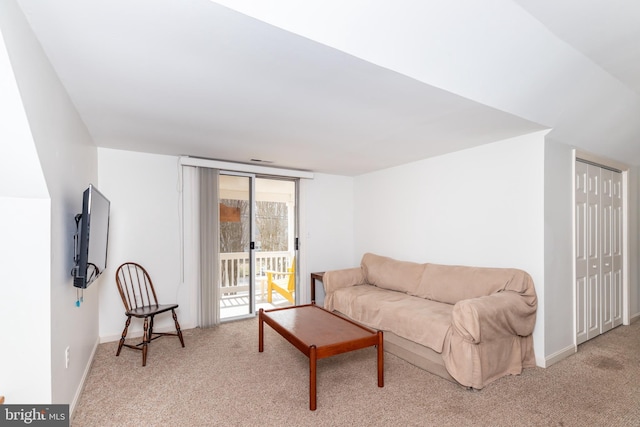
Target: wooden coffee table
319	333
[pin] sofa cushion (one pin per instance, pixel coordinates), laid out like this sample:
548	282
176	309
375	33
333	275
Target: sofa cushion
388	273
453	283
423	321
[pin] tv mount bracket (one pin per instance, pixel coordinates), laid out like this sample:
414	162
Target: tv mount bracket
76	248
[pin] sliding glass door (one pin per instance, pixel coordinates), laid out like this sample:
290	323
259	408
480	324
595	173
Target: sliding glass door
276	242
257	243
236	234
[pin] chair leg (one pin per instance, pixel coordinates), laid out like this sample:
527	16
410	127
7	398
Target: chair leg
150	328
145	341
175	319
124	334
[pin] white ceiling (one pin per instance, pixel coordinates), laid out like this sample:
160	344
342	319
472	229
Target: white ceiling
192	77
607	32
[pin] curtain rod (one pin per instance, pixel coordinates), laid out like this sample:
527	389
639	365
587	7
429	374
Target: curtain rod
243	167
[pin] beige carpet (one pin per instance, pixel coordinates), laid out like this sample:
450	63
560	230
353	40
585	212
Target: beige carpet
220	379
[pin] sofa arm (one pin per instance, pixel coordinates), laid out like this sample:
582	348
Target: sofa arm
497	315
336	279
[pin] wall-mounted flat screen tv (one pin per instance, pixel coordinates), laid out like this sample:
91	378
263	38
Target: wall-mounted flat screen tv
91	238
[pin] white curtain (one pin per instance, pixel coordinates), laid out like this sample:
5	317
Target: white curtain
209	247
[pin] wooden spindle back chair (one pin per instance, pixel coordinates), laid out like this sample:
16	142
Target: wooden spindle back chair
140	300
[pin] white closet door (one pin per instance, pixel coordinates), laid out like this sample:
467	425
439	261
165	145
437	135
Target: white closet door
593	251
606	250
616	234
599	250
582	265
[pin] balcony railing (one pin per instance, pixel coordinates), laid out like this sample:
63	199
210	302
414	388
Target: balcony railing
235	270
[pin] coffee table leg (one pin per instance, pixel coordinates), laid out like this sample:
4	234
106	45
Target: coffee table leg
380	360
260	331
312	377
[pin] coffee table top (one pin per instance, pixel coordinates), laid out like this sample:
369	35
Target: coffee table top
319	333
309	325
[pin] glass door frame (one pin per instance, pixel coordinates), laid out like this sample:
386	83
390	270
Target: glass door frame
294	229
251	250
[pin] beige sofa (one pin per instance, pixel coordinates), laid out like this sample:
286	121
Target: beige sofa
471	325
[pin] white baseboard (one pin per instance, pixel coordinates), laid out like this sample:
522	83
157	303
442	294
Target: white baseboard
568	351
557	356
111	338
85	374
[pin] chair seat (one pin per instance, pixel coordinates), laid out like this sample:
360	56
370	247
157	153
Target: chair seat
151	310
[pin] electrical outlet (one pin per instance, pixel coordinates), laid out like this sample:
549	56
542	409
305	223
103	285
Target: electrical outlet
67	354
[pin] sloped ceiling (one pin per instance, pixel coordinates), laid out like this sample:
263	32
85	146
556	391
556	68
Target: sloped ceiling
347	89
607	32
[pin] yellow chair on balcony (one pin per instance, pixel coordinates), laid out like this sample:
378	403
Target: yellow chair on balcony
283	282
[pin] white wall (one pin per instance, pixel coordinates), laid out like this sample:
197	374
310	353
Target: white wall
68	161
25	359
327	229
22	178
145	225
483	207
25	362
558	308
